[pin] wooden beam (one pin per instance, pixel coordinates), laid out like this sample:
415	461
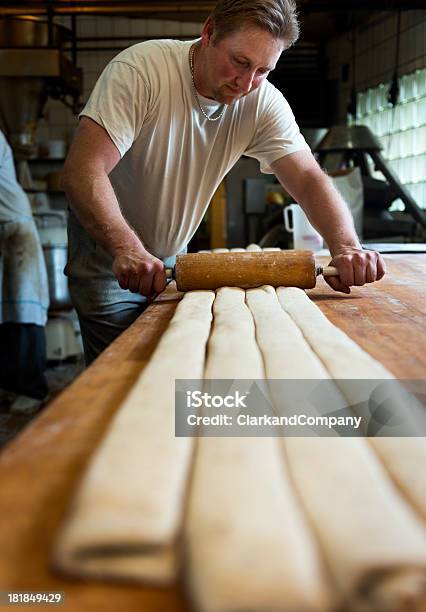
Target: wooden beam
218	238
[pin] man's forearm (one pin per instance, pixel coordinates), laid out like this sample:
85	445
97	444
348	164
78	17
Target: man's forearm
95	204
328	213
92	157
302	177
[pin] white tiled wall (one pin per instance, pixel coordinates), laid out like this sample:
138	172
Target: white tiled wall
375	52
401	129
59	122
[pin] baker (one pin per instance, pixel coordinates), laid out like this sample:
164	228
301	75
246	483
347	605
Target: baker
24	292
164	124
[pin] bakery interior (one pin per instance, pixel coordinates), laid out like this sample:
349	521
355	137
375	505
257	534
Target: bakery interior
356	82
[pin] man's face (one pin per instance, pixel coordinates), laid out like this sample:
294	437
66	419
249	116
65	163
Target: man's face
238	63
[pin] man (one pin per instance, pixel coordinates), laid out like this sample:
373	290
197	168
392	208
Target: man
164	124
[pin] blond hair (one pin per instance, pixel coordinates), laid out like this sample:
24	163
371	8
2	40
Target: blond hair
279	17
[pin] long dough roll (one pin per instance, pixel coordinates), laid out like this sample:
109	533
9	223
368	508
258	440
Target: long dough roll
247	543
344	359
373	540
125	517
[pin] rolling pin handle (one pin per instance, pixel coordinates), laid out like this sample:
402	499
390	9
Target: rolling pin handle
327	271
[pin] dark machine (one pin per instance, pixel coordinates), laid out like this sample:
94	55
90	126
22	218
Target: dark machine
351	147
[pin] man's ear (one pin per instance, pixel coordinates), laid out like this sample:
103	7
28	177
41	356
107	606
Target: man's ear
207	33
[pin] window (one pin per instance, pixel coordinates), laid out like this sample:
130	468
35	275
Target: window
401	131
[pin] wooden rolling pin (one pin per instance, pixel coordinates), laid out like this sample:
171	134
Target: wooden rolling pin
246	270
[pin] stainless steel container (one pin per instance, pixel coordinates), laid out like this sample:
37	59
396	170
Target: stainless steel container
56	258
30	32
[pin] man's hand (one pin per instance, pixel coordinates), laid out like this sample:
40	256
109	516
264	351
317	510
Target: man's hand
303	179
356	267
139	271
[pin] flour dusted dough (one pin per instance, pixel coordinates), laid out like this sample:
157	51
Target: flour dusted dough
286	354
285	351
339	354
233	328
126	514
374	542
248	545
369	535
404	458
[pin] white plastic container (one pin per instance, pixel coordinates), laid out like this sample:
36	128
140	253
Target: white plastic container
57	149
305	237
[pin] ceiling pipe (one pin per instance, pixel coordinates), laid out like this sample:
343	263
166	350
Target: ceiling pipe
103	7
135	7
316	6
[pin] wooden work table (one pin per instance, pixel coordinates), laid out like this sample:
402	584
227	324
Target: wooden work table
40	469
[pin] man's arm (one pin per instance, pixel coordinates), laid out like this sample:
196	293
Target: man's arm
85	180
303	179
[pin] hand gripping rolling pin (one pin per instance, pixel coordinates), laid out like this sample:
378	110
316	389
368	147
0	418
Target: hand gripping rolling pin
247	270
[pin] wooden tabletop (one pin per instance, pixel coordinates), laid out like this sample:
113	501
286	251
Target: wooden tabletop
40	469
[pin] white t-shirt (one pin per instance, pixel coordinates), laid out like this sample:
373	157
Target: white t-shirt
173	158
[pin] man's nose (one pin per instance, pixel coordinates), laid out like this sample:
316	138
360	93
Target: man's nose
245	81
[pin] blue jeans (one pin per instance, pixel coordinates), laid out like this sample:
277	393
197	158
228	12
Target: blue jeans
104	309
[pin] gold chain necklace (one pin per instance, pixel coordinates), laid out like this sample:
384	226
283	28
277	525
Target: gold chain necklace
191	64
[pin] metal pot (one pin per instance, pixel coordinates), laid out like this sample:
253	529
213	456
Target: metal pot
30	32
56	258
